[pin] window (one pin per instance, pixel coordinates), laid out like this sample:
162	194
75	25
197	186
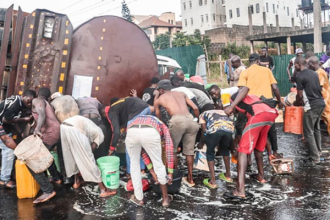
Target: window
192	21
288	10
267	7
200	2
205	2
213	17
237	12
207	18
169	21
251	8
190	4
147	31
185	23
184	6
223	2
212	1
297	14
273	8
278	6
257	8
230	14
155	31
202	18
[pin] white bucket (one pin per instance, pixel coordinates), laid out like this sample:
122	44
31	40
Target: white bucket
34	153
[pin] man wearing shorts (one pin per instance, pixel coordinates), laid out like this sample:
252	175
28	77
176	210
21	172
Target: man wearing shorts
182	125
260	119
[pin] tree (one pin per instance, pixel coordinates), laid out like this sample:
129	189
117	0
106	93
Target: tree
126	12
180	40
162	41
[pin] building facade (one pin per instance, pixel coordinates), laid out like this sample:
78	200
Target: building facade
165	23
202	14
237	12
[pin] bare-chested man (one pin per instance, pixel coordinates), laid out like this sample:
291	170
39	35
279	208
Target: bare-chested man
182	125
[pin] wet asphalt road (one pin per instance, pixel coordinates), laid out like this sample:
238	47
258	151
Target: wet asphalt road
304	195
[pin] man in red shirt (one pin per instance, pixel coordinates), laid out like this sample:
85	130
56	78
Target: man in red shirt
260	119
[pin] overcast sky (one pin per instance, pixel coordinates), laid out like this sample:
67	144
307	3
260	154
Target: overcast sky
82	10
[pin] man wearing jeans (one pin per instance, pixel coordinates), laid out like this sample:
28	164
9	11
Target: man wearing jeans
308	82
10	113
149	133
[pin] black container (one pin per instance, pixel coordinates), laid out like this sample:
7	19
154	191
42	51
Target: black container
176	184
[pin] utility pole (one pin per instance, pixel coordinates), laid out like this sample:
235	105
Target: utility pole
317	27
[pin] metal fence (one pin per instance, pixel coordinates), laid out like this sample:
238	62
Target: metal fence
185	56
280	73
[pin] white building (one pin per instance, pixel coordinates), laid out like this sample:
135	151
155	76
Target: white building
237	12
202	15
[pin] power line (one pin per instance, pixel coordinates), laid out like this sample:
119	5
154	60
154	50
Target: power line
88	8
71	5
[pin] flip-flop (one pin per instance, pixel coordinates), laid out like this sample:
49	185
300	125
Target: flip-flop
206	182
231	195
185	181
170	197
223	177
135	201
107	194
5	184
44	197
254	176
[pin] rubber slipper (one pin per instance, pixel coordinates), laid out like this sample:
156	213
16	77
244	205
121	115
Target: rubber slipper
108	193
255	177
44	197
5	184
136	201
206	182
231	195
185	181
223	177
170	197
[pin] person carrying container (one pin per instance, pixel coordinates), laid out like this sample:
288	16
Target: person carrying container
10	113
146	134
260	117
217	130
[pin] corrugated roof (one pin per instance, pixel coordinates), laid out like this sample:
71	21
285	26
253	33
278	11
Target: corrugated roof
154	21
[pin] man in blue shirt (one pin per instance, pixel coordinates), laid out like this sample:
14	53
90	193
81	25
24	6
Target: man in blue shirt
227	67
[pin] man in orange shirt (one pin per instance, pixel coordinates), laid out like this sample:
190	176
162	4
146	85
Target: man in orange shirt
261	82
314	64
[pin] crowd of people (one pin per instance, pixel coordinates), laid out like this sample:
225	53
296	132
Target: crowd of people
174	116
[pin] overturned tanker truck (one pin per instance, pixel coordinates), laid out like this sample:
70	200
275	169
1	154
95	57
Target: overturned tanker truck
103	58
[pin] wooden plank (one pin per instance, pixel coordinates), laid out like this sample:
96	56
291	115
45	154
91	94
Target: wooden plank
15	49
4	42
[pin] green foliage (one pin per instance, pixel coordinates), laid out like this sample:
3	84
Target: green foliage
126	13
162	41
243	51
181	40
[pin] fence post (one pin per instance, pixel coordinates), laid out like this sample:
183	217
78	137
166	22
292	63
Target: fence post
207	60
220	59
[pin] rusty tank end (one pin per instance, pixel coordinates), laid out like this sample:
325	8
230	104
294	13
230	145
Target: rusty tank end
115	54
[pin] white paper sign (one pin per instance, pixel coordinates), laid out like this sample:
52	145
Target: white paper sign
82	86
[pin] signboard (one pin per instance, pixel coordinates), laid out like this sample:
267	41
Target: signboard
82	86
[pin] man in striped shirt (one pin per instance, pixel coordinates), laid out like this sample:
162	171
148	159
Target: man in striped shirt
149	133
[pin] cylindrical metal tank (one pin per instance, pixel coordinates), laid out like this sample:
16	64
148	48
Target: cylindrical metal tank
109	57
306	3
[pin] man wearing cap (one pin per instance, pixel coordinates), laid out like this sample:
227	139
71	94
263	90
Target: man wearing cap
266	60
182	125
299	52
261	82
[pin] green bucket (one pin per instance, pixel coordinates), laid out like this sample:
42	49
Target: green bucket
187	75
57	162
109	167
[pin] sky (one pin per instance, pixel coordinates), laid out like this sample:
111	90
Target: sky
80	11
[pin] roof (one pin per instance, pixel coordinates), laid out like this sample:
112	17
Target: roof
154	21
141	18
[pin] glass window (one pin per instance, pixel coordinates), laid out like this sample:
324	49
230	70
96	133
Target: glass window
237	12
184	6
212	1
213	17
267	7
202	18
207	18
252	9
190	4
200	2
205	2
230	14
257	8
297	14
223	2
273	8
192	21
185	23
288	10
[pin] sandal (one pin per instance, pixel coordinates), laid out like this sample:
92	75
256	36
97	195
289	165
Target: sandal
170	198
255	177
231	195
8	184
206	182
136	201
223	177
185	181
107	193
44	197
